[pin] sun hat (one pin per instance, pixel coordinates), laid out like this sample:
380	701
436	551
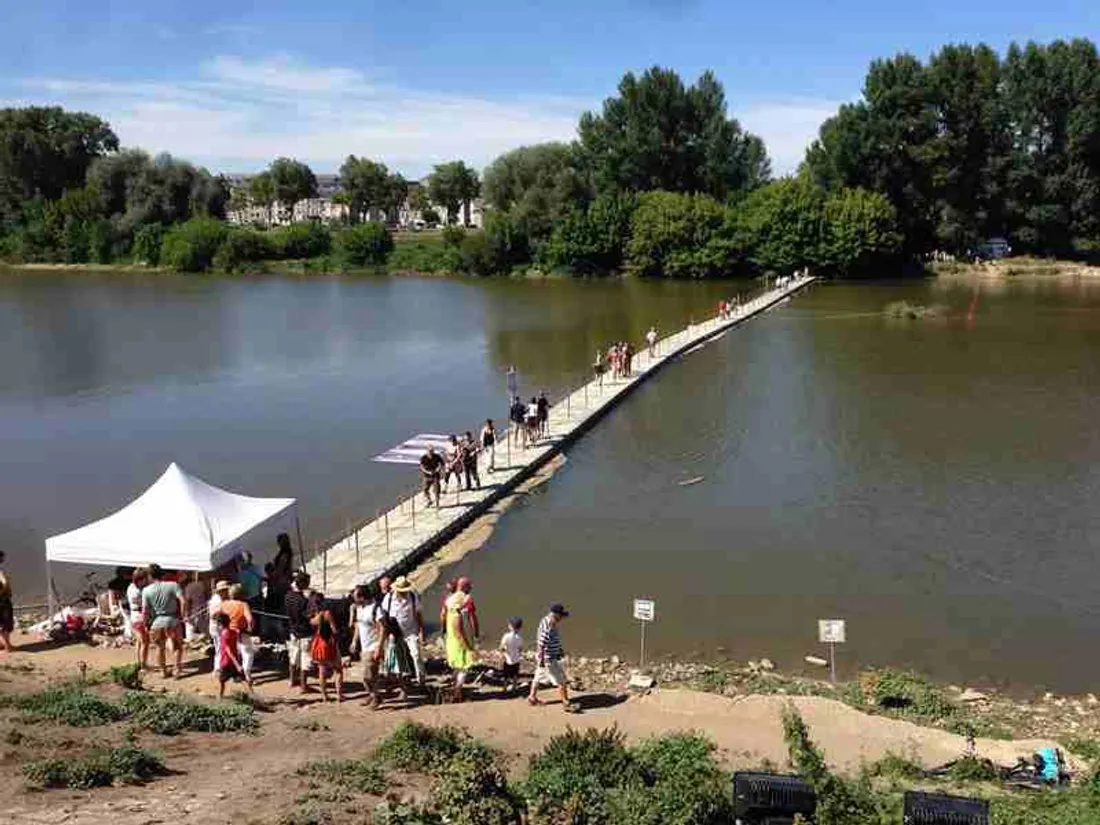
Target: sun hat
222	585
401	585
559	610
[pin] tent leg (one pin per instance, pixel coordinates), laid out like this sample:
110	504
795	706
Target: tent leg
301	546
51	605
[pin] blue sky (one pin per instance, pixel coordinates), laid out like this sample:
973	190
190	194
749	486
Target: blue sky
233	84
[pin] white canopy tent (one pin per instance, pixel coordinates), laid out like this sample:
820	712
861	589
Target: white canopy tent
181	523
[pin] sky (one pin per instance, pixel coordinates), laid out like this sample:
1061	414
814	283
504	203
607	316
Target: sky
232	84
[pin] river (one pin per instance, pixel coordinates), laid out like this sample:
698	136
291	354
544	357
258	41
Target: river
933	482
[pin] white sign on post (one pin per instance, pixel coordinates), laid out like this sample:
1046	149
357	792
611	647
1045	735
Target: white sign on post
831	631
644	610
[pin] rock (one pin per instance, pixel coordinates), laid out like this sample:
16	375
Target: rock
641	681
583	661
817	660
616	661
971	695
767	664
1048	697
1092	700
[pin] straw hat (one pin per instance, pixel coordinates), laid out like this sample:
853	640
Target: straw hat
222	585
401	585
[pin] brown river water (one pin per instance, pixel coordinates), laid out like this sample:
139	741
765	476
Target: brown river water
934	482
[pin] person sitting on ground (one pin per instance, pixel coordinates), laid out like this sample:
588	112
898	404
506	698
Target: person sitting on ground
368	635
511	649
162	604
548	658
300	632
229	664
431	467
325	648
469	462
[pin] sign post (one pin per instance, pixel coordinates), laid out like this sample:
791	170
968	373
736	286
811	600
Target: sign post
831	632
645	610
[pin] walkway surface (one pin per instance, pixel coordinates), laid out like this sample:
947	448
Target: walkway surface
401	537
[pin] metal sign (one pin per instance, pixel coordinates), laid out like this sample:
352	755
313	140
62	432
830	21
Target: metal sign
409	452
831	631
645	610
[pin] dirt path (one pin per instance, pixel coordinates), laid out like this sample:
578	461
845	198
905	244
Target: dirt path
250	779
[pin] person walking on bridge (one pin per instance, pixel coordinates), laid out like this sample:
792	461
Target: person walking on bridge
651	340
431	467
489	443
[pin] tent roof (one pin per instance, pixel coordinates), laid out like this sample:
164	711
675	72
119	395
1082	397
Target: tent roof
181	523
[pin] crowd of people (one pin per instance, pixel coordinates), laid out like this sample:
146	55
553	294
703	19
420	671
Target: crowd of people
382	625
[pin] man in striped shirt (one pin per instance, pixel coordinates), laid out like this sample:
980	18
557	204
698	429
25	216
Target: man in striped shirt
548	657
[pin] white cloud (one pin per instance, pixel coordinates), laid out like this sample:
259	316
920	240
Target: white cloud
237	114
788	127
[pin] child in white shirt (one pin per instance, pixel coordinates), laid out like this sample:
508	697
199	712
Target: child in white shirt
511	646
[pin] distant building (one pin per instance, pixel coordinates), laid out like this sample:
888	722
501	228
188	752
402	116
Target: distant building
325	208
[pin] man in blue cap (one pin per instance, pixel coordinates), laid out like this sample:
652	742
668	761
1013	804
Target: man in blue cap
548	658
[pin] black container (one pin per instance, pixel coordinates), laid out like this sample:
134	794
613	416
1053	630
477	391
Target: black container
941	809
771	799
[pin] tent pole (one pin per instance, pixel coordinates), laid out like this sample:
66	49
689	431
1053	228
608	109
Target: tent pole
49	590
301	546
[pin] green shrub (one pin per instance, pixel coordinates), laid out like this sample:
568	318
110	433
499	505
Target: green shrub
573	774
473	790
306	239
147	244
360	775
420	748
405	813
128	676
424	255
241	248
368	244
896	766
191	246
972	769
453	236
683	784
906	693
69	704
97	769
169	715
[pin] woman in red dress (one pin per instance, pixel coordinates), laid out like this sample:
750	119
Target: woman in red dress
325	649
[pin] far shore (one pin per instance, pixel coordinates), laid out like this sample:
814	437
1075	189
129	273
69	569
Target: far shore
1016	267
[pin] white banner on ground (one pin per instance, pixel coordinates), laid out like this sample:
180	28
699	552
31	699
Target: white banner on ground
409	452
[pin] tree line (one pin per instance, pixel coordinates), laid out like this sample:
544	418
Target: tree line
660	182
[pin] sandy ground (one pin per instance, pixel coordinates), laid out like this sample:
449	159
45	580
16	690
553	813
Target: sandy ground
250	779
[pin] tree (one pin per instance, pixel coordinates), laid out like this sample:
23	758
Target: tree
394	194
658	134
367	185
368	244
537	185
261	189
453	186
292	181
45	151
677	235
860	232
782	226
592	240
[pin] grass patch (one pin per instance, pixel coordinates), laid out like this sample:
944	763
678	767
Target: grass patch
169	715
895	766
1085	748
906	694
420	748
101	768
128	676
69	704
359	775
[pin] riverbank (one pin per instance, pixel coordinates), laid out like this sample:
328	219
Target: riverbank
1016	267
207	781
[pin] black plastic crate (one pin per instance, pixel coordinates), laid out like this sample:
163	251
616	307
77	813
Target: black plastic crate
771	799
941	809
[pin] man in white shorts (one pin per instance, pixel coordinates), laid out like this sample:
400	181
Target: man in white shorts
548	658
300	634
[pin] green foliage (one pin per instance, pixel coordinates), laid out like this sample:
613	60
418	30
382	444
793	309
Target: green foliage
169	715
679	236
537	186
241	248
860	232
405	813
453	186
69	704
306	239
100	768
420	748
191	246
453	236
592	240
359	775
1085	748
147	243
570	780
969	768
907	694
128	676
370	188
496	249
683	784
367	244
473	790
657	134
839	801
426	254
895	766
291	181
